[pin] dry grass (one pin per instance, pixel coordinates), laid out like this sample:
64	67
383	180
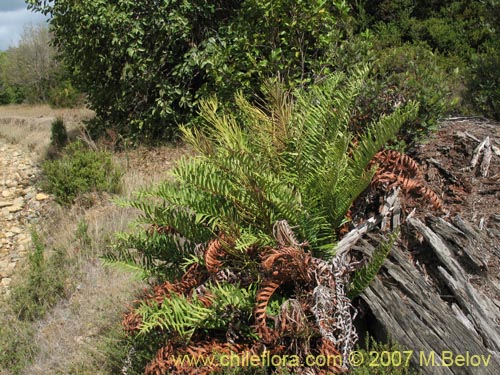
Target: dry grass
70	340
73	337
31	125
146	167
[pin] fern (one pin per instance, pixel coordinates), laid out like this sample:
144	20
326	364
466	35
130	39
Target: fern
293	160
363	277
182	316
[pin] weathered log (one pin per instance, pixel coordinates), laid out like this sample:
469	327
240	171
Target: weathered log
438	310
351	238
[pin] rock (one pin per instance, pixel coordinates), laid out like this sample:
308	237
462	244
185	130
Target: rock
15	208
19	208
41	197
16	230
19	201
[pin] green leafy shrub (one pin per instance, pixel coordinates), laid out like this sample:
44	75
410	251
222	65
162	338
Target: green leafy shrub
483	86
410	72
58	134
65	95
17	347
80	170
43	285
144	86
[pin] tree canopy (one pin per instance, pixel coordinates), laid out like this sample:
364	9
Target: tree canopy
145	65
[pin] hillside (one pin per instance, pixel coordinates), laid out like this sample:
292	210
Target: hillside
412	278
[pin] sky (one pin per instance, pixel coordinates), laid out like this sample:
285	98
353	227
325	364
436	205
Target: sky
13	16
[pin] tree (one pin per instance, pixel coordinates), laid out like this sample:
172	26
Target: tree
32	66
145	65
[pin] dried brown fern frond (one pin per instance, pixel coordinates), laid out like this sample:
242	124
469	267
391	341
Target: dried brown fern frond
213	254
193	359
396	162
191	278
131	322
287	263
432	197
397	169
263	296
408	186
334	360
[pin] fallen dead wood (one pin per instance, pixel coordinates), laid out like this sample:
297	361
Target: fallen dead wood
437	309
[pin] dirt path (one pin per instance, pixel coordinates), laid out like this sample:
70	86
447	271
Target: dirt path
20	203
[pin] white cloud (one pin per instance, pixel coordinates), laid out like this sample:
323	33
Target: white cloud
12	23
12	5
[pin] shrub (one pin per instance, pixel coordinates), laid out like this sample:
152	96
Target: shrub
65	95
80	170
43	285
410	72
145	86
483	86
58	134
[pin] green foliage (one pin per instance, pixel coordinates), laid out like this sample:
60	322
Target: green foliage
17	347
448	47
145	86
135	81
31	67
274	38
65	95
80	170
181	317
484	83
43	285
294	160
409	72
364	276
58	134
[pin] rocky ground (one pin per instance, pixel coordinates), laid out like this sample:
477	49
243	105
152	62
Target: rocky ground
20	206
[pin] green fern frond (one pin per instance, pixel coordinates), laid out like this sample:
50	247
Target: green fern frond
363	277
182	316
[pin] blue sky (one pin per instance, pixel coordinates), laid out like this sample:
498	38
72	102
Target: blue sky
13	16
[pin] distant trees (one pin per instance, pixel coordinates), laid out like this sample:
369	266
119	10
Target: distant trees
31	72
31	65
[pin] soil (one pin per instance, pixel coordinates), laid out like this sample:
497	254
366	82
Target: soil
446	165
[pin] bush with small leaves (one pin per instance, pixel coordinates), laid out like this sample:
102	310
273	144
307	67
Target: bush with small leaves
80	170
59	134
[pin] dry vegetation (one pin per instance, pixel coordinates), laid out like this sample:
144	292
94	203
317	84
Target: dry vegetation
30	125
77	334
